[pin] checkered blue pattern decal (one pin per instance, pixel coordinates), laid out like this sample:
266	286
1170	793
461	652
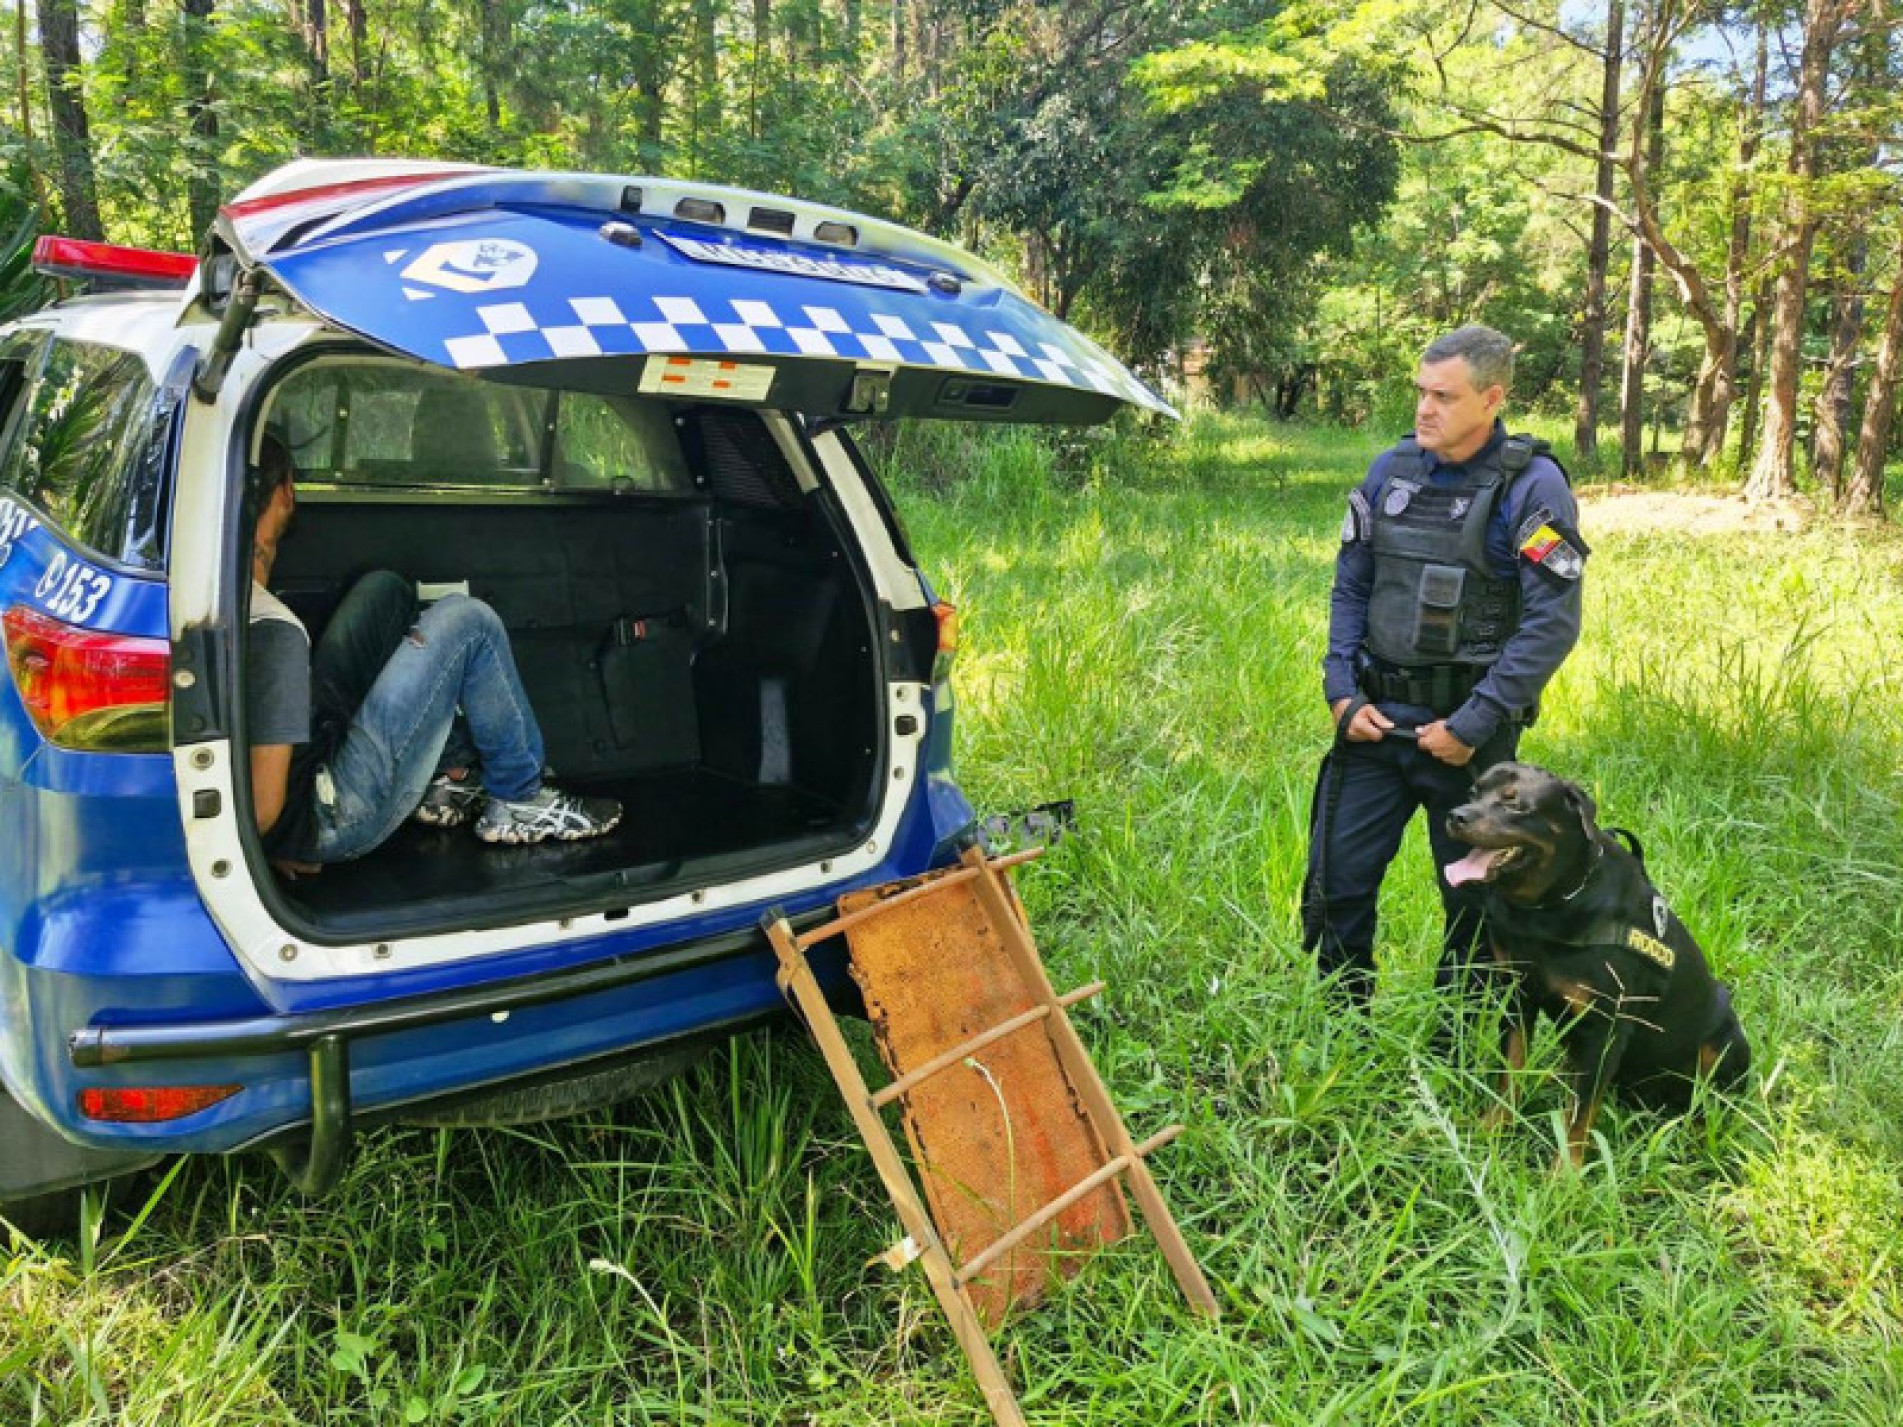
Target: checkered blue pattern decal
499	289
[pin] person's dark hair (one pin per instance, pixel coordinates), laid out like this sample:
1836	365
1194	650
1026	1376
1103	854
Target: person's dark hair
1487	353
272	469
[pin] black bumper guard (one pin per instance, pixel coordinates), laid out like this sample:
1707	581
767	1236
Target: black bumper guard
315	1162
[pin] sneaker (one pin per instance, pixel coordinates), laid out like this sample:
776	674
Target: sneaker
567	817
448	803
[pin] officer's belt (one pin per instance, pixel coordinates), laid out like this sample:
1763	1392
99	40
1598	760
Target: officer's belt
1440	687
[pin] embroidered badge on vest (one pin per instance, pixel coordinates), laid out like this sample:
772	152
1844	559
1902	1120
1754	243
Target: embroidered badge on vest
1399	494
1651	948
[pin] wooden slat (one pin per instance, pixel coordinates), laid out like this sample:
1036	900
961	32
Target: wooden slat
914	1078
814	935
797	974
995	894
1011	1238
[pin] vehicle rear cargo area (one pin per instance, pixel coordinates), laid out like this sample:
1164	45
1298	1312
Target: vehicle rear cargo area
708	661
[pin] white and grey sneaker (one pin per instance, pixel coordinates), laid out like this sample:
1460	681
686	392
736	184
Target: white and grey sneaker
551	813
449	802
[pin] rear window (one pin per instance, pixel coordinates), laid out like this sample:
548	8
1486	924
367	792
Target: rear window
374	423
90	451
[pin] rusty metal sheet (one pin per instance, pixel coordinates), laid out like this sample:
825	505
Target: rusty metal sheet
1001	1134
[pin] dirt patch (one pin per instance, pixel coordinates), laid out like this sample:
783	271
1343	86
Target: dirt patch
1630	510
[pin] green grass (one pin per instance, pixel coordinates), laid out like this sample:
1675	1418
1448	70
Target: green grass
1141	632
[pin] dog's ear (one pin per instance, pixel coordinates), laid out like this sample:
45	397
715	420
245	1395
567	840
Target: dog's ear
1580	801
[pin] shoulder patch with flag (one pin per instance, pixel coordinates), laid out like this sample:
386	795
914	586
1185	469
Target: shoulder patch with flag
1552	546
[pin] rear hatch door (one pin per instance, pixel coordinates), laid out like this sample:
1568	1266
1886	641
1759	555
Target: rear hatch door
638	284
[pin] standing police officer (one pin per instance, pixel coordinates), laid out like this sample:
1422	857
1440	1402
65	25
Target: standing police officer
1456	597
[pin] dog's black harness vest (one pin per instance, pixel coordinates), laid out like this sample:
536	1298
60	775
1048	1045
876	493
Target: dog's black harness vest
1436	600
1608	929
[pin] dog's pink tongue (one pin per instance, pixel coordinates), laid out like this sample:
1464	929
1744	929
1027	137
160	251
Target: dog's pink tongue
1474	867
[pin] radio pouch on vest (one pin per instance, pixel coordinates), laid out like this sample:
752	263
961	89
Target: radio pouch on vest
1437	612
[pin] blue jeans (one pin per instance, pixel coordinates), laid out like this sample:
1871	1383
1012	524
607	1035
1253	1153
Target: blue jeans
455	656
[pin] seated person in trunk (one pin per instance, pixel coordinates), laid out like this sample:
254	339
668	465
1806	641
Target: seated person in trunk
352	737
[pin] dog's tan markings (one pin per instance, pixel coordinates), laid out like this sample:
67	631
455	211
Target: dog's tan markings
1579	997
1578	1133
1516	1048
1709	1057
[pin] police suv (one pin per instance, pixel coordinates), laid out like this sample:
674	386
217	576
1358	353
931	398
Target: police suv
618	411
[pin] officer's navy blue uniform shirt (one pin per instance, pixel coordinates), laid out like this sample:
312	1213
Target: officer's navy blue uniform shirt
1549	605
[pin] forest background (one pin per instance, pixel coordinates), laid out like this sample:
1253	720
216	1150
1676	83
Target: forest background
1685	212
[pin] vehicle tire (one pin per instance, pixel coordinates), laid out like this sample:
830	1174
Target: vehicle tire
591	1090
56	1214
44	1216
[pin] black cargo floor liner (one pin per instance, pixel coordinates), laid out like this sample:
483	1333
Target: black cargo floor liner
668	818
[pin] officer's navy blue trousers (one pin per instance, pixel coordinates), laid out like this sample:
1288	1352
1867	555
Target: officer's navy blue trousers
1357	830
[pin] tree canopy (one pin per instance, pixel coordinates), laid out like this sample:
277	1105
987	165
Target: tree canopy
1705	193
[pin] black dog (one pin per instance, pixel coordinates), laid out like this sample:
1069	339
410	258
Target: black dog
1589	941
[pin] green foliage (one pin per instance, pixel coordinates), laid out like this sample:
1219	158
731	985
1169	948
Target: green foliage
21	290
1017	128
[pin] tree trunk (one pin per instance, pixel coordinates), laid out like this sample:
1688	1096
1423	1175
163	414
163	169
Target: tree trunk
1758	331
316	28
762	60
1772	473
707	117
491	60
898	43
66	103
26	106
1638	317
1717	416
359	26
1864	493
1847	154
1833	408
1592	329
201	145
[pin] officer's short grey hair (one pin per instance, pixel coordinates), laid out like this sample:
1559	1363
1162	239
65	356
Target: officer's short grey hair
1488	354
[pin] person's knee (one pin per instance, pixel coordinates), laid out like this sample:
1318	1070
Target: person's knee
461	617
379	592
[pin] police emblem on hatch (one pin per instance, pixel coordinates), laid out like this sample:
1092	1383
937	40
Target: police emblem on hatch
477	265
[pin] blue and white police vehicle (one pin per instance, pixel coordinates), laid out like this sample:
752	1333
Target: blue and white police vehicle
619	411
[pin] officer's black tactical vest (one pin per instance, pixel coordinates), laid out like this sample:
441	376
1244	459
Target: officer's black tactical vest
1436	600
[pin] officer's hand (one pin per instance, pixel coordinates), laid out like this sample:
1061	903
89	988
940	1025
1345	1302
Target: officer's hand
1435	739
1368	725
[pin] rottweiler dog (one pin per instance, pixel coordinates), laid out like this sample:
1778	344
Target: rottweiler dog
1589	941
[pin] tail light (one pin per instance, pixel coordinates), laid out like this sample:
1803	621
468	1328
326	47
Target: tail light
947	617
86	689
150	1104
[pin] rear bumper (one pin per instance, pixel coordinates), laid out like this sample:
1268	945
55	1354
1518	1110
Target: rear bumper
730	974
